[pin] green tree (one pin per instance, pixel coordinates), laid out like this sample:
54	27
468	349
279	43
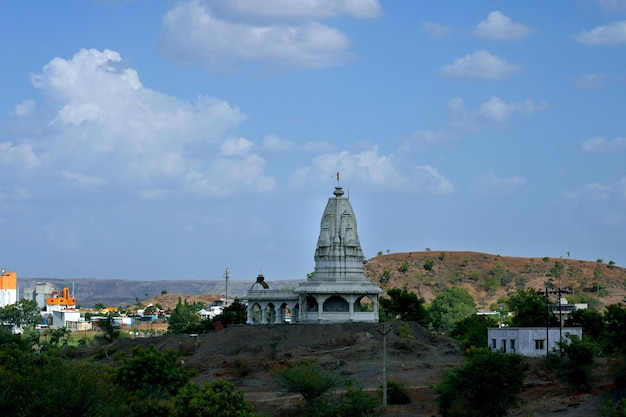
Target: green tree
577	362
429	263
472	331
150	372
486	385
24	313
183	317
592	323
403	305
308	380
614	328
109	328
529	308
236	313
217	398
450	306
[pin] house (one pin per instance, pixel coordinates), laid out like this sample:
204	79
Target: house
529	341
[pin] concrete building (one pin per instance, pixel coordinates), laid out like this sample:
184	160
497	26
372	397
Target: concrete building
337	292
529	341
40	293
8	288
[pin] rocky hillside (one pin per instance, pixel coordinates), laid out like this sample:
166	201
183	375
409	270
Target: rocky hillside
488	277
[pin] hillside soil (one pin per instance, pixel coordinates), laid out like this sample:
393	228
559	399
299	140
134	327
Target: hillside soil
250	356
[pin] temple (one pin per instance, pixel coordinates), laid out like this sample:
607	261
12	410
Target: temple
337	291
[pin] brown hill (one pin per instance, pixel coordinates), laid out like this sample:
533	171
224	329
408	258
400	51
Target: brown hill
488	277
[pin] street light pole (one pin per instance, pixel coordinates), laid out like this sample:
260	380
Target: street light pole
384	333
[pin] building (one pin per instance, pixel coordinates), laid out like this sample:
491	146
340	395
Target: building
529	341
40	293
337	292
8	288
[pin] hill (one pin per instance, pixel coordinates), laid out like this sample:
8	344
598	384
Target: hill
487	277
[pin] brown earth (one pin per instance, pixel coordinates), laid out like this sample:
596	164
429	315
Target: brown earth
250	356
470	270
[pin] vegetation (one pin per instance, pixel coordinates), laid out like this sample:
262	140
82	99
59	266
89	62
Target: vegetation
429	263
308	380
486	385
403	305
472	331
529	308
450	306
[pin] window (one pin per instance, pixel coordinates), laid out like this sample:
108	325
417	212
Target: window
539	344
493	343
512	345
504	345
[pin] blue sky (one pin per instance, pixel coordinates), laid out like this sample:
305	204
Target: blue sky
160	139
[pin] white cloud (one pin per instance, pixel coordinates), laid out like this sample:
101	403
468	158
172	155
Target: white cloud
301	9
589	81
498	27
480	65
435	29
24	108
193	35
611	6
17	156
273	143
108	130
611	34
491	184
369	167
493	113
599	144
597	204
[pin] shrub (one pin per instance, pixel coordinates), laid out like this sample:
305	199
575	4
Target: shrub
428	265
404	267
396	393
546	259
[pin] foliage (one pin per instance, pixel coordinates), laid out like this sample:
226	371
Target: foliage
486	385
592	323
355	402
236	313
429	263
556	270
529	308
24	313
150	372
472	331
385	276
450	306
614	328
491	284
610	408
403	305
217	398
184	316
308	380
109	327
442	256
576	363
396	393
404	266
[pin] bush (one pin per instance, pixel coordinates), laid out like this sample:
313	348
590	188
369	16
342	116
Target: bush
428	265
396	393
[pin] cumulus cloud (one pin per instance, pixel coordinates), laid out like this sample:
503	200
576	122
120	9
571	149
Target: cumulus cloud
611	34
493	113
498	27
275	34
24	108
273	143
289	9
599	144
107	129
480	65
589	81
597	203
435	29
369	167
491	184
611	6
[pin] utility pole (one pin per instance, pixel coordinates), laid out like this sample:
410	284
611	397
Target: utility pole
384	333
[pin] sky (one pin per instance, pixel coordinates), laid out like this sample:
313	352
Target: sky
174	139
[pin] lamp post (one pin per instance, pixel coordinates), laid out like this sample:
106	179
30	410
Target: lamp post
384	333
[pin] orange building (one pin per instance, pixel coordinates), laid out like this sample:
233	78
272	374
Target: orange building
60	300
8	288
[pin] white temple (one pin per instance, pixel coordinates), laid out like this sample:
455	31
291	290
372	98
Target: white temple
337	292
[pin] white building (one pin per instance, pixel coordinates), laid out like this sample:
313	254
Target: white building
337	292
529	341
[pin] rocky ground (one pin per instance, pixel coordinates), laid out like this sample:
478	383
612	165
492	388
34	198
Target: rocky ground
249	357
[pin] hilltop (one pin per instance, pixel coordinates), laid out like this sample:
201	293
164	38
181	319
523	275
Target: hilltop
475	271
488	277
